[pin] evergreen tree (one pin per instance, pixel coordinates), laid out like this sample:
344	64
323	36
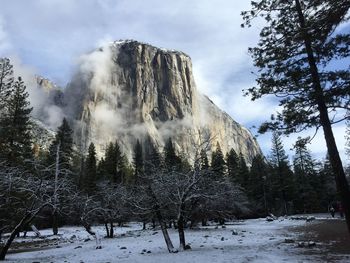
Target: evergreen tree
65	140
347	135
107	165
6	83
15	132
232	162
297	47
114	166
279	162
328	186
243	172
218	162
258	189
153	159
138	161
90	169
307	180
171	160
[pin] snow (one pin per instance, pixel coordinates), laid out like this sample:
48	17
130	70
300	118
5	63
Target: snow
254	240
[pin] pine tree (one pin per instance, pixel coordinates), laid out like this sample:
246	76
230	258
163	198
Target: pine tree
171	160
138	162
114	166
232	162
328	186
65	140
347	135
297	47
218	165
243	172
307	199
6	83
15	132
90	169
257	189
153	159
279	161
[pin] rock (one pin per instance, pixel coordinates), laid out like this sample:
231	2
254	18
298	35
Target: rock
206	236
87	239
223	227
149	252
234	232
201	246
73	237
144	250
78	247
311	244
310	218
148	89
222	239
123	248
98	247
301	244
155	233
306	244
288	241
269	219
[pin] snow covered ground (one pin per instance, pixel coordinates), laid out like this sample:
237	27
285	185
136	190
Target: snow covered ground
255	240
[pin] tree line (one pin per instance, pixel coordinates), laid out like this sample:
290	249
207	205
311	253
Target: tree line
64	186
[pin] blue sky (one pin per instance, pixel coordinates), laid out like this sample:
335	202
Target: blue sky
49	35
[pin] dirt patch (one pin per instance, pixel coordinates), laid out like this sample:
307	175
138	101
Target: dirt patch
331	236
34	245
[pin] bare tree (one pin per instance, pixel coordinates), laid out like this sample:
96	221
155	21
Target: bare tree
147	199
88	208
113	206
26	194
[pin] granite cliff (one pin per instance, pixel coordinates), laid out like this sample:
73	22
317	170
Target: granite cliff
129	90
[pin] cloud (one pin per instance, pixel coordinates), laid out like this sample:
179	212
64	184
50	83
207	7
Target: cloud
40	99
51	35
5	44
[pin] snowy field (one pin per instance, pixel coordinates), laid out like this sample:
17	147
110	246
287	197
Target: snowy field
255	240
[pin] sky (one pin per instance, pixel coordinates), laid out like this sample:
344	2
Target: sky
48	36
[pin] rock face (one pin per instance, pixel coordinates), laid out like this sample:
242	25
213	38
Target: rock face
130	91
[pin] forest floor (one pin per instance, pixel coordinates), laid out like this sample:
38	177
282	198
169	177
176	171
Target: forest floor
286	239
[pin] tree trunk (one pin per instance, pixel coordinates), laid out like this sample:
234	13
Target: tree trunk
181	231
159	216
14	233
54	223
334	157
167	239
144	225
94	234
107	229
111	232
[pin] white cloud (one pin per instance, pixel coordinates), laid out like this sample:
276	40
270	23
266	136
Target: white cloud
5	44
51	34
